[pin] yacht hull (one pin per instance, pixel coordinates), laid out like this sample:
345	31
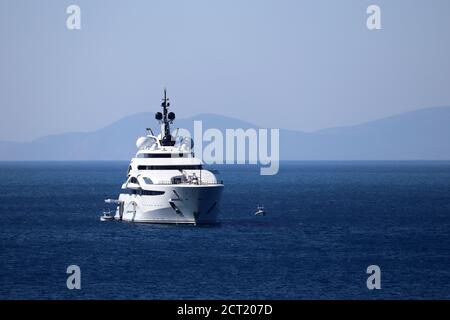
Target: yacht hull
180	204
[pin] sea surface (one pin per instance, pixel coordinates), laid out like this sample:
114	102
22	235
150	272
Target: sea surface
326	223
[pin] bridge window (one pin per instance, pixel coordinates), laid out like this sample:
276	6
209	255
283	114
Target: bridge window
144	192
184	167
163	155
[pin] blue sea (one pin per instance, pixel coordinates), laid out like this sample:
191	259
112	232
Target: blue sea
326	223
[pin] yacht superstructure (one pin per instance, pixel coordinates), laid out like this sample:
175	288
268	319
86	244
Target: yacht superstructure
165	182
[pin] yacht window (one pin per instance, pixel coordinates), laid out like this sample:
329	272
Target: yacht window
163	155
184	167
177	180
152	193
144	192
134	180
147	180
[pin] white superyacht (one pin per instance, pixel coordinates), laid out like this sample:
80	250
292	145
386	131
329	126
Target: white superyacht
165	182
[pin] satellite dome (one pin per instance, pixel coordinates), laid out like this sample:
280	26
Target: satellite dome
144	142
158	116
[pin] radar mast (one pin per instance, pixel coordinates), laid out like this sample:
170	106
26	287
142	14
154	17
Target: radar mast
165	119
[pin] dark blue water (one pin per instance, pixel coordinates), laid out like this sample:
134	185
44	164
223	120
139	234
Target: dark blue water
327	223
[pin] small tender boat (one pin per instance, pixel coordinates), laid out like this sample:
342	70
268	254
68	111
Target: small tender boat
107	216
260	211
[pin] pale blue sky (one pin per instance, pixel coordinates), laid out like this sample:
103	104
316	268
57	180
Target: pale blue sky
302	65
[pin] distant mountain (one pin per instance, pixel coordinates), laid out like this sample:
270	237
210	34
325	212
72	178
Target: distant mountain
114	142
418	135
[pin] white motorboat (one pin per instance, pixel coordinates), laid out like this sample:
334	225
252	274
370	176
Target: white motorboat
260	211
107	216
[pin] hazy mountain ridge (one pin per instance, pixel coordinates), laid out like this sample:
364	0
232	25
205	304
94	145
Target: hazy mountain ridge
418	135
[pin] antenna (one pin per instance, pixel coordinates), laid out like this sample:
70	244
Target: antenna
166	118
